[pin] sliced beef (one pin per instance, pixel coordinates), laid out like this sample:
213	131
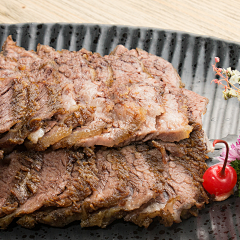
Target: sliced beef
87	92
158	68
141	107
33	95
138	183
163	72
69	99
10	94
197	106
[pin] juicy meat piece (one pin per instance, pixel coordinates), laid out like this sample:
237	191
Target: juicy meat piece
69	99
137	182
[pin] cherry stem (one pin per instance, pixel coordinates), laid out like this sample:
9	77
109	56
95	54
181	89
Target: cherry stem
222	173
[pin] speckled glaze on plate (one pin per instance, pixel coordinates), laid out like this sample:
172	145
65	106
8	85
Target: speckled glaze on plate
192	56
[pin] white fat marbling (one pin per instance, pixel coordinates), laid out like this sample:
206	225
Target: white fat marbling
69	102
34	136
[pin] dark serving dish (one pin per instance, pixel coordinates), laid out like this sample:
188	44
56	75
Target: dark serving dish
192	56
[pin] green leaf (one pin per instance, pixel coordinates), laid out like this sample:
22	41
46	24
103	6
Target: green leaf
236	165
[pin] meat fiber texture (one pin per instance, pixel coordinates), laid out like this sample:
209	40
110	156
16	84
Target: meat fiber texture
63	99
138	183
97	138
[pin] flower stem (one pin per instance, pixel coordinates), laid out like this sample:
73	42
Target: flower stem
222	173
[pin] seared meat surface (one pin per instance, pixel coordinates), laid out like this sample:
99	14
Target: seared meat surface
137	182
69	99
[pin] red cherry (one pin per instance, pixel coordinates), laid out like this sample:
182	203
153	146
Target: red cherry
218	179
216	184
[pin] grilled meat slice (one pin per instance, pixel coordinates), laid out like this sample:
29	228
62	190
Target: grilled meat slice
32	98
69	99
137	182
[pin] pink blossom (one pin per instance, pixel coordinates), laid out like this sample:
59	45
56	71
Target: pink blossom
234	152
216	80
217	59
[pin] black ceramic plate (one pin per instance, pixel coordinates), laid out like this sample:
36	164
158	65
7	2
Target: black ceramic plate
192	56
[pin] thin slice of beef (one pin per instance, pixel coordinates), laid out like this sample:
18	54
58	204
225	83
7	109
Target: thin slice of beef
162	71
156	113
69	99
79	102
157	67
32	98
113	120
11	94
138	183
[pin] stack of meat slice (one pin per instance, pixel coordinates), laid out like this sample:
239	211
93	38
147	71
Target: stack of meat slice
92	138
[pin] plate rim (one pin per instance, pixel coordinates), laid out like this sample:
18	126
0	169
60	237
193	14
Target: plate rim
124	26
